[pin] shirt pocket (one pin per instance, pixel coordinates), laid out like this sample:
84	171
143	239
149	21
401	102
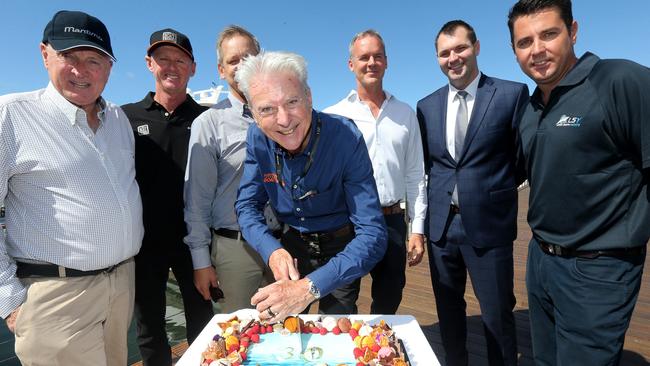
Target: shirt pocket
323	203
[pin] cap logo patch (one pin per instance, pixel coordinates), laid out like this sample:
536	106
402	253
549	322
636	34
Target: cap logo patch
169	36
84	31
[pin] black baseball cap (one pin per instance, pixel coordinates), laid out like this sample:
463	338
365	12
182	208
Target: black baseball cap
172	37
72	29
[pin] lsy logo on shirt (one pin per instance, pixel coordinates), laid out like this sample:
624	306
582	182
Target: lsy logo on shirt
569	121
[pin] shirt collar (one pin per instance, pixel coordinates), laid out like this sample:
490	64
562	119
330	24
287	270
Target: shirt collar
471	89
150	103
353	96
70	110
576	75
238	106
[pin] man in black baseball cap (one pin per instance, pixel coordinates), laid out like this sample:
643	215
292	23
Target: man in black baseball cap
68	286
72	29
172	37
161	122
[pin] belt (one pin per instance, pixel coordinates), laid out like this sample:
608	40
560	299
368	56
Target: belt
454	209
392	209
33	270
319	245
322	237
227	233
554	249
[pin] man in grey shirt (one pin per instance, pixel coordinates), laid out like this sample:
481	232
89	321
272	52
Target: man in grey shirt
216	158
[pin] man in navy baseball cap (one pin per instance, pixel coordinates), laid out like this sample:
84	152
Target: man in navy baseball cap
68	287
72	29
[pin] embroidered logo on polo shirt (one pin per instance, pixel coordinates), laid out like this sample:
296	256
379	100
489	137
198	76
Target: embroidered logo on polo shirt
270	178
143	130
568	121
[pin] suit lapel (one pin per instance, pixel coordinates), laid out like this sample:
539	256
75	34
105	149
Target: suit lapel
442	114
484	95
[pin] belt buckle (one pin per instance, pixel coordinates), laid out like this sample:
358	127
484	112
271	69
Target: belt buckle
314	247
551	249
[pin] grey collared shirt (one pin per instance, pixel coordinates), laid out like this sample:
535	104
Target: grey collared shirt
215	163
70	193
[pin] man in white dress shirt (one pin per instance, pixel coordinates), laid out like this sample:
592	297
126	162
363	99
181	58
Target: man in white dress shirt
392	134
73	210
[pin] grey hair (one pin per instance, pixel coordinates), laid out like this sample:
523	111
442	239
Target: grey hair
270	62
366	33
231	31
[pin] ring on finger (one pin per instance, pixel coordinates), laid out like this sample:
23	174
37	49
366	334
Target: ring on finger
270	312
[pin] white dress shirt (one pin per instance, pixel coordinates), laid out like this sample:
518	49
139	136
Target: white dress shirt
452	110
70	193
395	148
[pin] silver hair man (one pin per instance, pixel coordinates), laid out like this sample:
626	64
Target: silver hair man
269	63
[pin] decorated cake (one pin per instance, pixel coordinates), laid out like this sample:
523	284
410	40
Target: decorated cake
328	341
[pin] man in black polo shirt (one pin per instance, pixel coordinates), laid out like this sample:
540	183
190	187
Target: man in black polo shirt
161	123
586	140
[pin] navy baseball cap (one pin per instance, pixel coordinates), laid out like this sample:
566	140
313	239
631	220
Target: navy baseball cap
171	37
72	29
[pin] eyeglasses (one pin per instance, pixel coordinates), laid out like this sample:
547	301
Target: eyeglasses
290	105
91	63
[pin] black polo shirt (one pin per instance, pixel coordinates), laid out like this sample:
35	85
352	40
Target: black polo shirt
587	153
161	142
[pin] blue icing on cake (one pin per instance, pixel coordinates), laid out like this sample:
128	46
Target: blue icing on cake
283	350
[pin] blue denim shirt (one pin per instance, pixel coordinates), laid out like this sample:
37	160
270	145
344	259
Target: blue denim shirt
338	188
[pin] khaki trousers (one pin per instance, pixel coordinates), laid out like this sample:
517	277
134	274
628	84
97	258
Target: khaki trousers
240	270
76	320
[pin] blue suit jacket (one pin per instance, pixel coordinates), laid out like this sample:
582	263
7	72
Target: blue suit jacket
489	168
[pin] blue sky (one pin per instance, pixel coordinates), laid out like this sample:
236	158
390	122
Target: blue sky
320	31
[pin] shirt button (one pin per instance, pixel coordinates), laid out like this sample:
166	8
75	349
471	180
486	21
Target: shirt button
166	114
298	209
295	186
302	219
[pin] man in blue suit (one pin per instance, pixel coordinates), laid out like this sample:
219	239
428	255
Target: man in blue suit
472	155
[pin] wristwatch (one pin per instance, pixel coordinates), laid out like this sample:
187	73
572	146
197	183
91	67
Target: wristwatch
313	290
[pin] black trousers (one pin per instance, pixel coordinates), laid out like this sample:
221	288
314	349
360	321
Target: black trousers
388	276
151	275
343	299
